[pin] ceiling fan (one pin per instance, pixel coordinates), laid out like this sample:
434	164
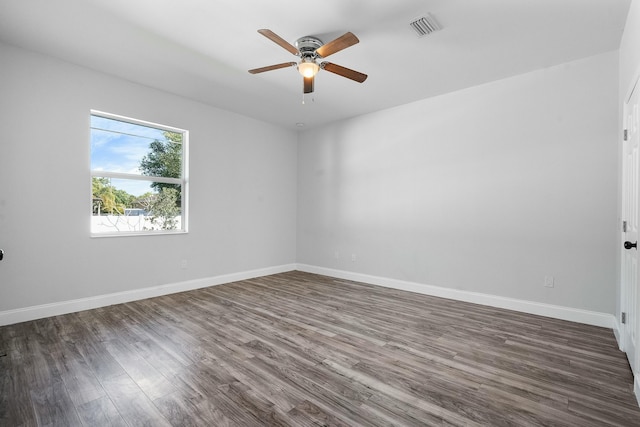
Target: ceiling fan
310	50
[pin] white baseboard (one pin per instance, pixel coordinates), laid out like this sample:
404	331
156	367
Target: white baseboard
558	312
636	388
10	317
554	311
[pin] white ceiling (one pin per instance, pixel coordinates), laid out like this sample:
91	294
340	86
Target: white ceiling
202	49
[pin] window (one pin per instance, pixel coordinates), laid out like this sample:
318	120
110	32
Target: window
138	177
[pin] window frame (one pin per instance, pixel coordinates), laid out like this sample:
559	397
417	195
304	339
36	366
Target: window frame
183	181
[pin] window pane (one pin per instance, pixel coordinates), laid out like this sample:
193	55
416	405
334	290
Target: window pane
123	147
129	205
137	176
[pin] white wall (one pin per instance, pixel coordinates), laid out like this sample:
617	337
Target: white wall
630	49
242	194
487	190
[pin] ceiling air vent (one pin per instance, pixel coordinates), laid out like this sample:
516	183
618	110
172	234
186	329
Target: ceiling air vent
424	25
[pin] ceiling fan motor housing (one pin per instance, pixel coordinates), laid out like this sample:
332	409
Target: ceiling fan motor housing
307	46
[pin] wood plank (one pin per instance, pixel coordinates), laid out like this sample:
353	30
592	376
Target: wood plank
183	410
15	399
53	406
134	406
100	412
82	384
150	381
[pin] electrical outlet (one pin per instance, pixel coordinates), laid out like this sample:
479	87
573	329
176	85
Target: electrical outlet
353	257
549	282
336	255
183	264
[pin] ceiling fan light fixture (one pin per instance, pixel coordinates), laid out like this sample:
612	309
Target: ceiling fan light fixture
308	68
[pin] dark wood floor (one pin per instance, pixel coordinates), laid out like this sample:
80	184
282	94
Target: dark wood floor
305	350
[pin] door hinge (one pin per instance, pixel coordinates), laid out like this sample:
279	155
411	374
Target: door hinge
624	226
623	318
626	134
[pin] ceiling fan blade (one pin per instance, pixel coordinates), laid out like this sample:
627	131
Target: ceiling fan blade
273	67
344	72
308	84
342	42
279	41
